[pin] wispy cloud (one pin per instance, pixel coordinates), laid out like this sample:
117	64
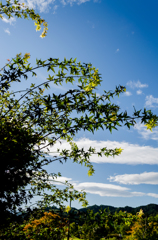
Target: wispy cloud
132	154
139	92
45	5
74	1
150	100
42	5
55	8
102	189
138	84
135	179
10	21
106	190
146	134
59	180
152	195
117	50
7	31
127	93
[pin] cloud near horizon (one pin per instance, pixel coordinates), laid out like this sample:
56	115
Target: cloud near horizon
136	179
102	189
132	154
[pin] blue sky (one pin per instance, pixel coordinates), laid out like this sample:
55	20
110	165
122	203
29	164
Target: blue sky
120	39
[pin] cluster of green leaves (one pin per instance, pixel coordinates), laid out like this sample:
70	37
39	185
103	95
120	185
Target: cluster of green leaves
16	9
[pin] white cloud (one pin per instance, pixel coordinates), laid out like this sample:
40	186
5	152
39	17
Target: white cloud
102	189
108	190
137	84
132	154
153	195
64	2
10	21
139	92
117	50
29	3
83	1
135	179
150	100
42	5
7	31
127	93
146	134
59	180
55	8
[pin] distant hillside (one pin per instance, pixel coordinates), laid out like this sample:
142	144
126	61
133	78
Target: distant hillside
150	209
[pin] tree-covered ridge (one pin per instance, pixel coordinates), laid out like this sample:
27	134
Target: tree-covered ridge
150	209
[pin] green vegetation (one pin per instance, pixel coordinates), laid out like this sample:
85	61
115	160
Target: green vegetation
150	209
72	238
89	226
